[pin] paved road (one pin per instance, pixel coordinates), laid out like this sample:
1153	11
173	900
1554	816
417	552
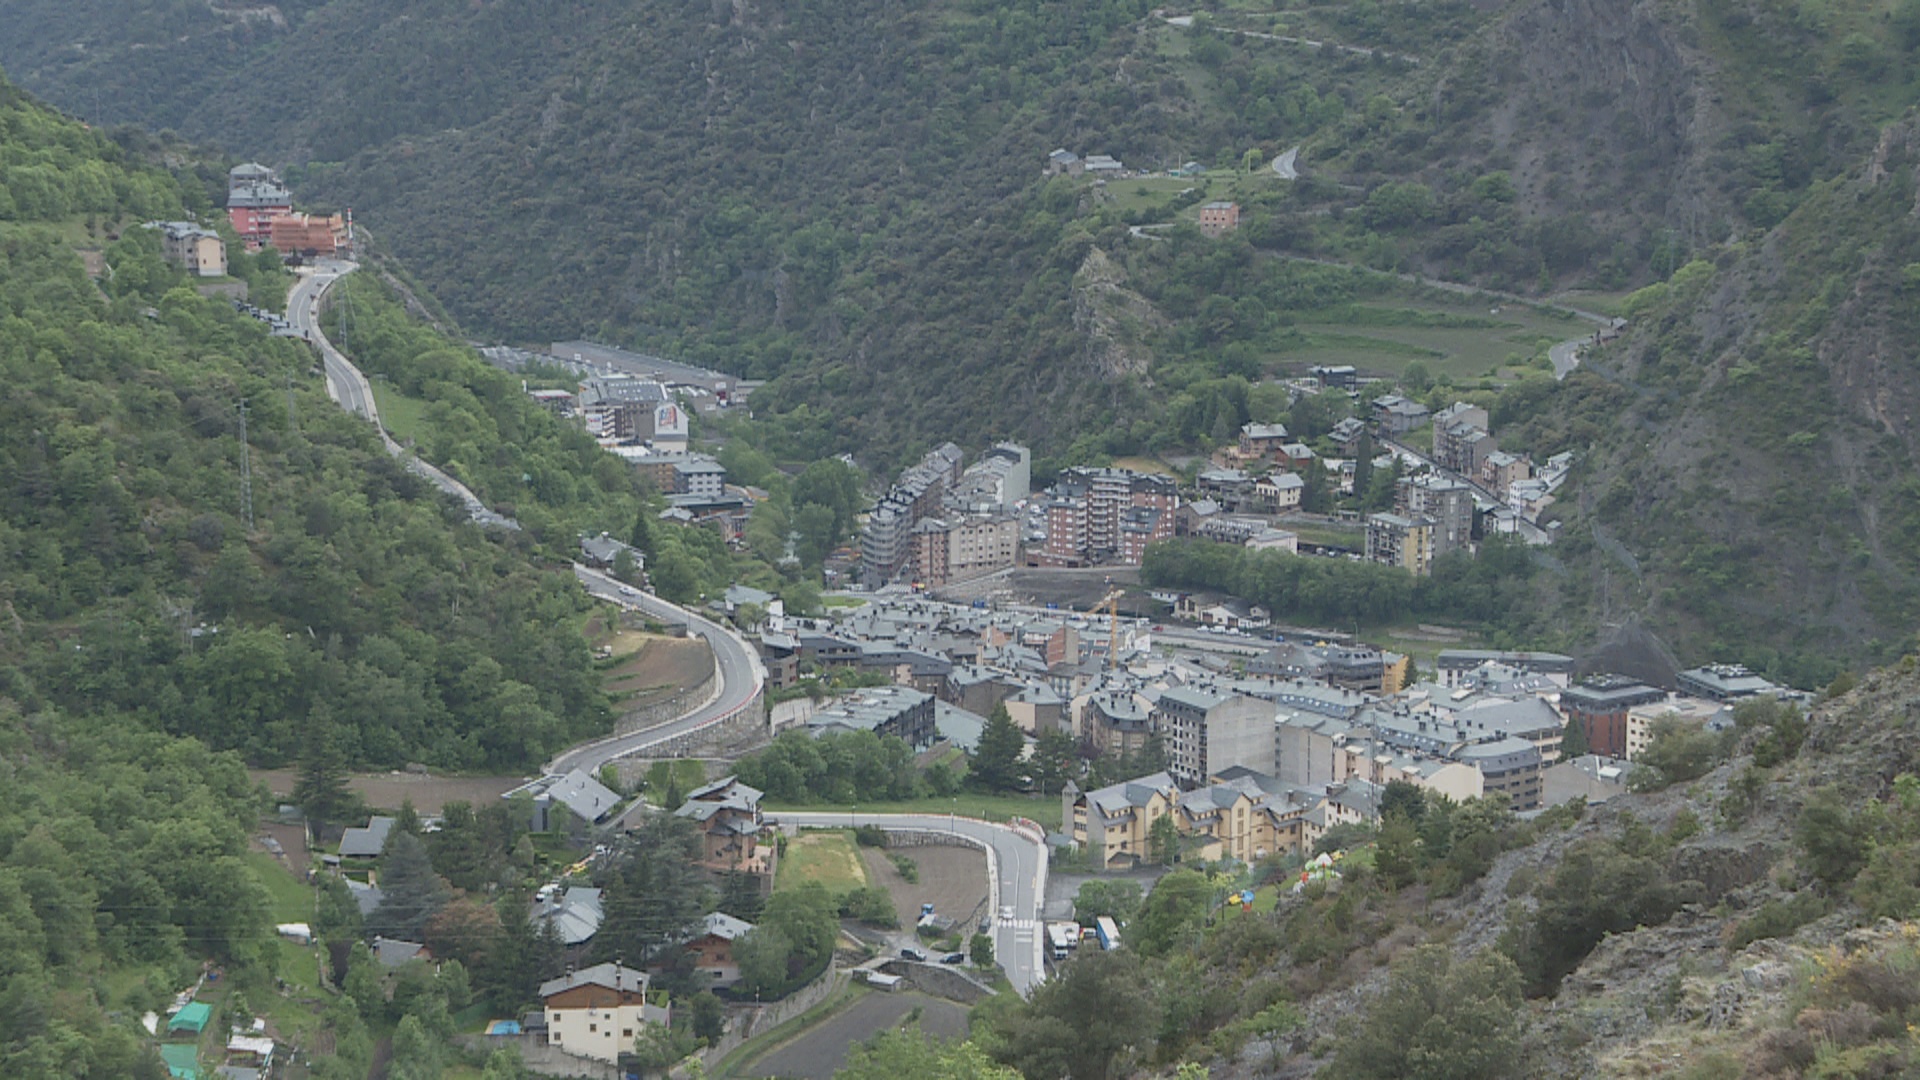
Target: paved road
347	386
739	672
1185	21
1016	870
1284	164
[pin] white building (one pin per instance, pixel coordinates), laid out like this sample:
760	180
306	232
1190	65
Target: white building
597	1012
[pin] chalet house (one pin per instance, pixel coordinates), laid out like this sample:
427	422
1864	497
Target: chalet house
597	1012
712	948
727	813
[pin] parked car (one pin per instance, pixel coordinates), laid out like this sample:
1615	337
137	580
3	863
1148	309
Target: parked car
1006	913
954	958
911	953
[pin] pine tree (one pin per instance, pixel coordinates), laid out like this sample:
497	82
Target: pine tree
321	792
996	760
412	892
642	538
1573	744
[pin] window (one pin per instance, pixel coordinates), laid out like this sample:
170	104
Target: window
626	1033
593	1028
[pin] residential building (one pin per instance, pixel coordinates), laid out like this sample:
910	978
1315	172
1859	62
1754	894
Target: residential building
1064	162
1347	667
1114	823
599	1011
1205	731
712	949
727	813
390	953
1592	779
1280	492
560	800
1263	440
1641	719
1448	503
960	547
1090	517
1601	704
602	551
1336	376
700	477
886	540
884	710
1401	541
255	197
1461	442
575	913
1219	218
996	484
368	842
198	251
1509	766
1349	435
1457	665
1102	166
1501	471
1398	415
307	234
1115	722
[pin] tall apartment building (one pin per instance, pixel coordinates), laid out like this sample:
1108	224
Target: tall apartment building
1001	479
1108	515
1401	541
1206	732
1449	503
886	541
1461	442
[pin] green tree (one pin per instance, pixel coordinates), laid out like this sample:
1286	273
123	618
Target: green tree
764	956
1163	841
1573	741
709	1017
1438	1019
1835	840
321	791
908	1053
411	893
1085	1024
1678	752
980	950
1173	912
1118	900
995	762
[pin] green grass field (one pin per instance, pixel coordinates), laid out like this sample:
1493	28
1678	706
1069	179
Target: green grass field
1357	336
996	808
403	417
829	858
299	965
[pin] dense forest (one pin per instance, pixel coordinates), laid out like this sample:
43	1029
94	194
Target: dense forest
351	600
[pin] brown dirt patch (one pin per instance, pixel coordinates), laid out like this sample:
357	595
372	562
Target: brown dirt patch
663	667
952	879
821	1051
386	791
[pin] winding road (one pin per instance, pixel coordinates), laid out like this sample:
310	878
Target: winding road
1016	857
1016	871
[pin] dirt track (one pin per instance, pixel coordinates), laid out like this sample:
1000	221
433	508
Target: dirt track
386	791
819	1053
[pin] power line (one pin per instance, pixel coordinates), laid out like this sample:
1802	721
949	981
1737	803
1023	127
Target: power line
246	470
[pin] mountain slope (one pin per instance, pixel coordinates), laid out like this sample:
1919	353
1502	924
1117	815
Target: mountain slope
1760	463
353	606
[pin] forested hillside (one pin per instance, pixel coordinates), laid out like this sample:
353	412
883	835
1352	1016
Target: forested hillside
848	200
355	610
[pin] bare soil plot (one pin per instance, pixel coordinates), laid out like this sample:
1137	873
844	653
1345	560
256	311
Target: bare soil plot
662	667
952	879
386	791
